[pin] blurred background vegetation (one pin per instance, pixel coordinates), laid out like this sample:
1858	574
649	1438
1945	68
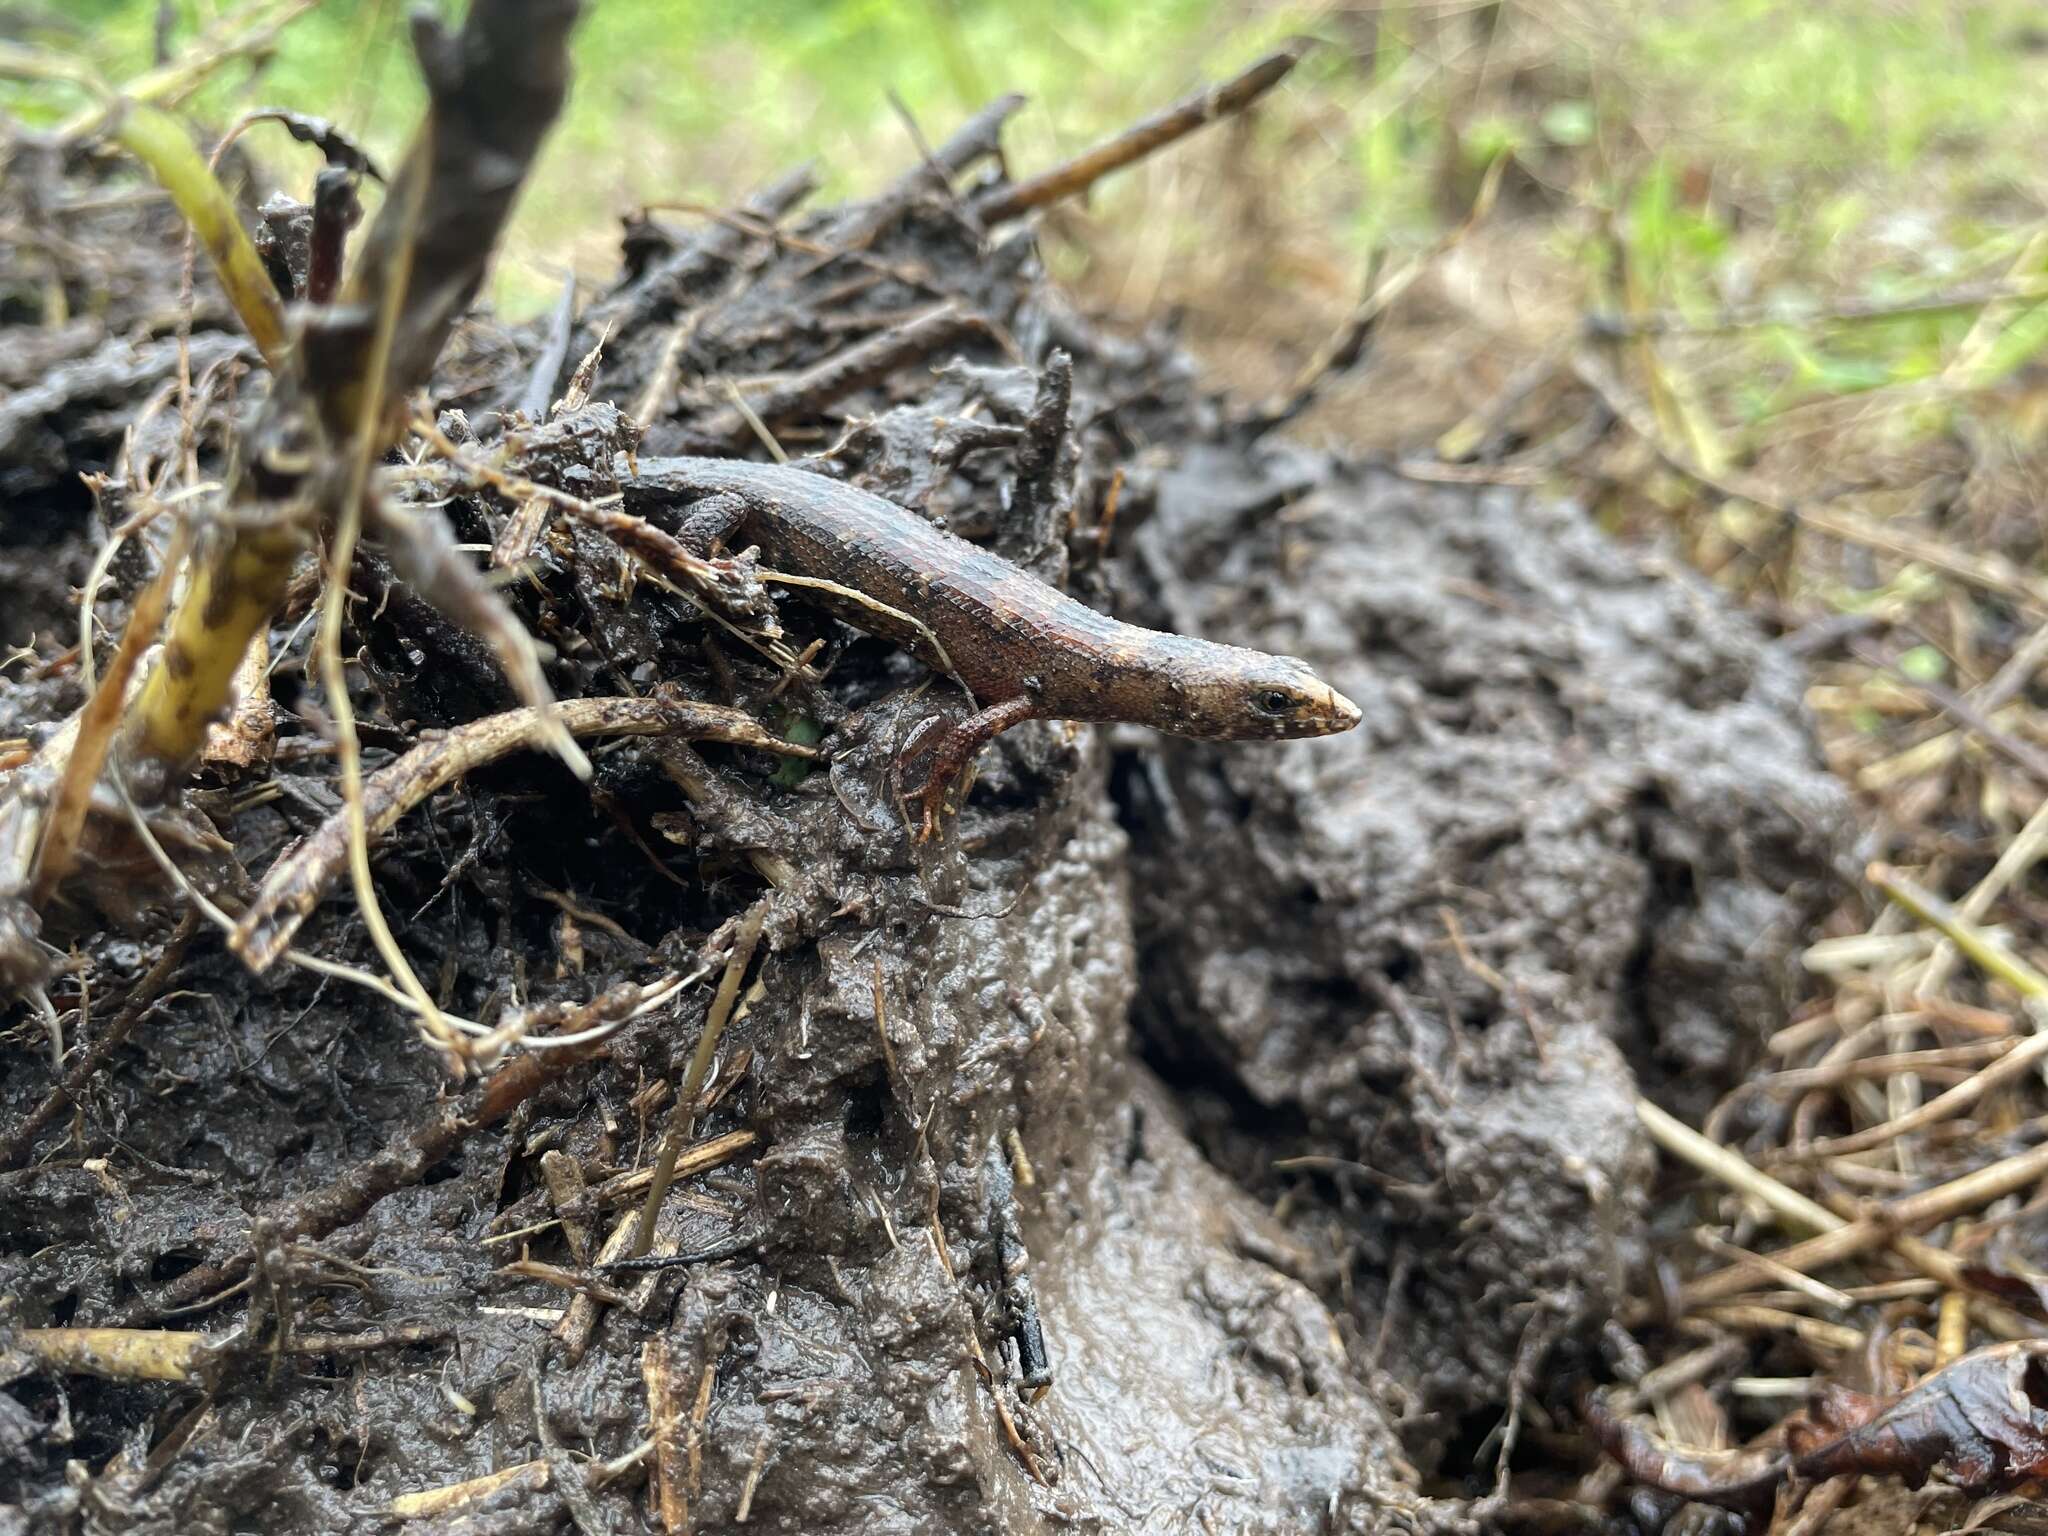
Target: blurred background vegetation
1744	149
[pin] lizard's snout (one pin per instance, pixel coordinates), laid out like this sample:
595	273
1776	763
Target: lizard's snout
1341	712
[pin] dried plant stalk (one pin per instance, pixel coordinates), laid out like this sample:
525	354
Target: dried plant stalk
495	90
160	142
236	587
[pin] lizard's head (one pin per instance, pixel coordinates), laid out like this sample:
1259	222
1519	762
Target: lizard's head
1253	696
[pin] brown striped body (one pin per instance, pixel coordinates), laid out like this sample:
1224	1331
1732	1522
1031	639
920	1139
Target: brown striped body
1012	639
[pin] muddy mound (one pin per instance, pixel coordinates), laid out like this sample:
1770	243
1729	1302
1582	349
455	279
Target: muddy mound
1582	824
1183	1137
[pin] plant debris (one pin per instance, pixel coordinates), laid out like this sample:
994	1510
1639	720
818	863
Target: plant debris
1983	1421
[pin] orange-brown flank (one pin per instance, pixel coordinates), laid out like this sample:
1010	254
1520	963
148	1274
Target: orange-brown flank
1025	649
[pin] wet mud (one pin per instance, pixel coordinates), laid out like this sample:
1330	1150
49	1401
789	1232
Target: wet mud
1569	852
1284	1091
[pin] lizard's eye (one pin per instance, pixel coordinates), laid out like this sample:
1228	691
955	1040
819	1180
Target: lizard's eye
1275	701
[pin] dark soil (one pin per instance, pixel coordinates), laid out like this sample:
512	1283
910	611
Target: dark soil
1578	766
1572	847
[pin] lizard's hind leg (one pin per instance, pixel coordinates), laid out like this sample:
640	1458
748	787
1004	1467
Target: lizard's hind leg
952	756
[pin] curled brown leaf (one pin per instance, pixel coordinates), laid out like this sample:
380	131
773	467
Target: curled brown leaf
1982	1420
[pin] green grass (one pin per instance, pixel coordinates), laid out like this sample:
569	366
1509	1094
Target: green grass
1724	149
694	99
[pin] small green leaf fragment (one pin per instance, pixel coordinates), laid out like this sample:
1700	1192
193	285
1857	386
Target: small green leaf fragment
1569	123
805	732
1924	664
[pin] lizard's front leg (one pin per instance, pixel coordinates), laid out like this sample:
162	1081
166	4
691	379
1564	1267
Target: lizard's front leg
711	522
956	752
